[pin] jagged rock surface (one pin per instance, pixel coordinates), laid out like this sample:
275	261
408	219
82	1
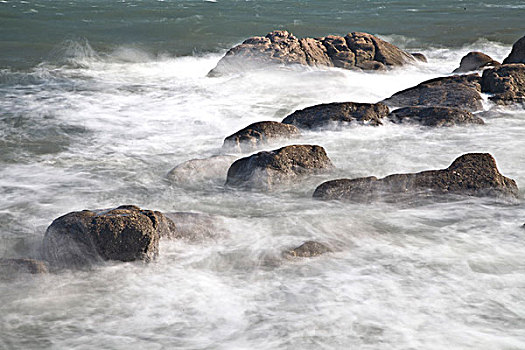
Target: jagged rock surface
434	116
506	83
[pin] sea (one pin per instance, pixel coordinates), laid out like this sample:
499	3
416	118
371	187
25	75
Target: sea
100	99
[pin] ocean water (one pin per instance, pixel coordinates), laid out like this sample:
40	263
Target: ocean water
100	99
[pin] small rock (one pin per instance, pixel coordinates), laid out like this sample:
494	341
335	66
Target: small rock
475	61
419	56
126	233
259	134
472	174
434	116
195	226
264	170
196	171
337	113
307	250
517	55
506	83
459	91
10	268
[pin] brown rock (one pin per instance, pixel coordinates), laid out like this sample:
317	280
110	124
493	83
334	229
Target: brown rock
475	61
337	113
307	250
259	134
339	52
473	174
419	56
506	83
459	91
367	47
517	55
264	170
12	267
126	233
434	116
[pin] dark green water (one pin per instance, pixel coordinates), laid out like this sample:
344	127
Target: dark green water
31	30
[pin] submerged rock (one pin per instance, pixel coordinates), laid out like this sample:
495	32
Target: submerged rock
355	50
195	226
506	83
337	113
307	250
126	233
434	116
12	267
472	174
201	170
517	54
475	61
259	134
459	91
419	56
264	170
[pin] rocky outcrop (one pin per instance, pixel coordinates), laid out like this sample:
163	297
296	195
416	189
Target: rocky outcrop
259	134
475	61
307	250
473	174
506	83
459	91
517	54
337	113
434	116
10	268
264	170
355	50
196	171
126	233
195	226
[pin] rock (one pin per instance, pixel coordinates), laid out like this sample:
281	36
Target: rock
419	56
355	50
337	113
12	267
506	83
264	170
517	54
434	116
196	171
259	134
126	233
472	174
459	91
195	226
307	250
475	61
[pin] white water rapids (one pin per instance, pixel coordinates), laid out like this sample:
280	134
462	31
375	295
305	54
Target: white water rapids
102	131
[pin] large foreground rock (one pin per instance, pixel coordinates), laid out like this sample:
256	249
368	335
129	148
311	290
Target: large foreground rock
459	91
197	171
264	170
434	116
506	83
259	134
355	50
126	233
517	55
473	174
475	61
337	113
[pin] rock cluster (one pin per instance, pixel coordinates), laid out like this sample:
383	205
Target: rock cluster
473	174
355	50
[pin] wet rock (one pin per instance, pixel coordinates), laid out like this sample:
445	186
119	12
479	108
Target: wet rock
473	174
459	91
475	61
355	50
196	171
434	116
10	268
419	56
264	170
126	233
506	83
195	226
307	250
259	134
337	113
517	54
